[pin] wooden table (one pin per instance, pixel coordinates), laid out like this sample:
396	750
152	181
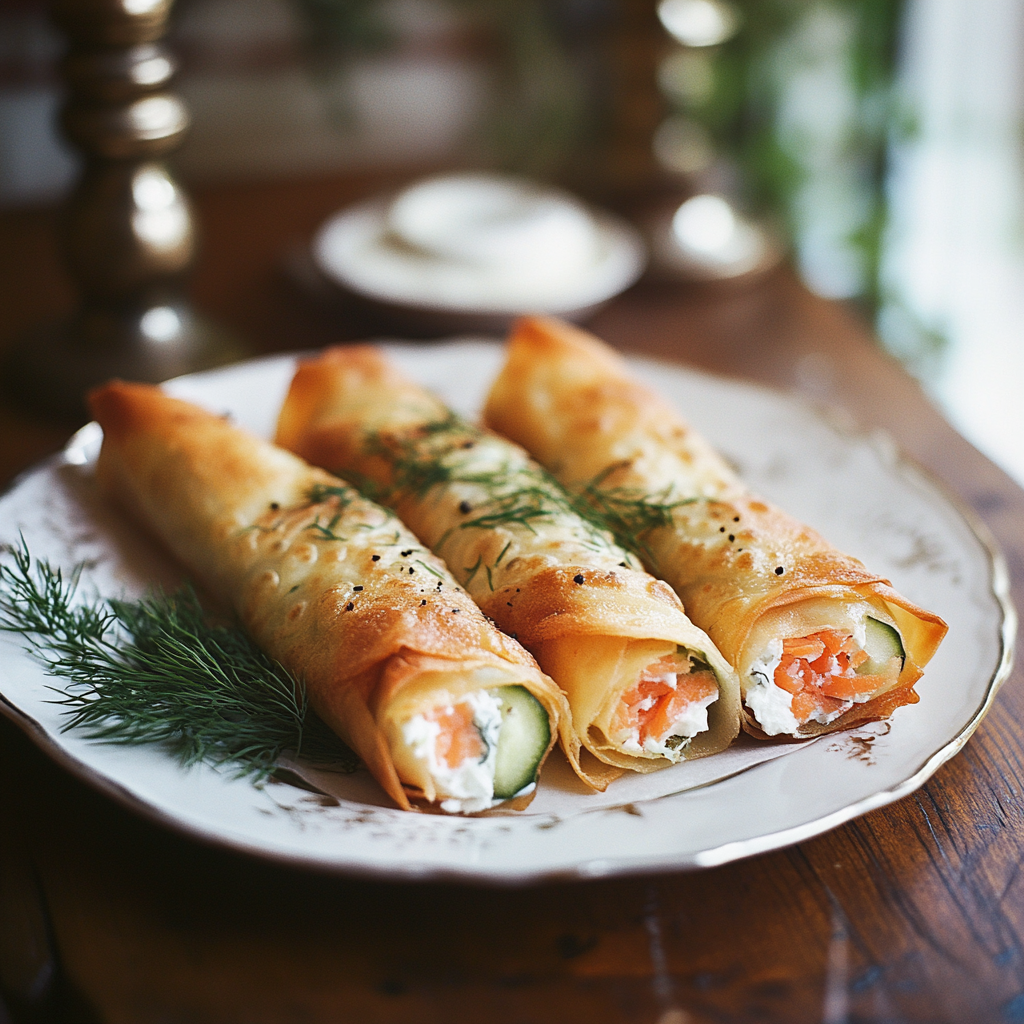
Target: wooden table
911	913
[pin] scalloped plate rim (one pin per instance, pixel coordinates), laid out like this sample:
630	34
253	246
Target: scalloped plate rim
597	867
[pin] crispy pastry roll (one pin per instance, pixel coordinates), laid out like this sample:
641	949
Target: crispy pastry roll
396	659
819	642
645	686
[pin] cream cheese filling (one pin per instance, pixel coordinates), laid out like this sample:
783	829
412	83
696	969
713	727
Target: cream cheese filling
772	706
469	786
693	719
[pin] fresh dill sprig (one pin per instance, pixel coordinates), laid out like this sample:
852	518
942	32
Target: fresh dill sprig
417	463
326	532
434	454
321	492
157	670
628	513
525	505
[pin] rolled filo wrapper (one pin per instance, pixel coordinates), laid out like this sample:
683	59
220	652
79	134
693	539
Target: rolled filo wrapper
393	654
646	688
819	641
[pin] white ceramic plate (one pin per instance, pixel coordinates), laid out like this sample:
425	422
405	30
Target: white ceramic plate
852	487
352	249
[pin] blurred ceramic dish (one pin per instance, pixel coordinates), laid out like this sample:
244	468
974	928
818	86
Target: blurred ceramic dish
696	814
470	251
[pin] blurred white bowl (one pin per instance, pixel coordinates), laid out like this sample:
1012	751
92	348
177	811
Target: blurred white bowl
472	251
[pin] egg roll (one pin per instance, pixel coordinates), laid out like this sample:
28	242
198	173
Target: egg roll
819	641
645	687
394	656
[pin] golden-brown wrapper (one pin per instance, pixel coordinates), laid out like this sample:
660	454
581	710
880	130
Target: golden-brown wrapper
745	570
330	585
558	584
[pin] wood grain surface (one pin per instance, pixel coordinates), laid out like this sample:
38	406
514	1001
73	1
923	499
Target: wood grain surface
911	913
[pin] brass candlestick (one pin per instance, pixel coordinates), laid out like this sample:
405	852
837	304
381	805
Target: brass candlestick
127	232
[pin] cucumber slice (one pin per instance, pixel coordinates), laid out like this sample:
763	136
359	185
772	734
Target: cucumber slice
524	737
882	643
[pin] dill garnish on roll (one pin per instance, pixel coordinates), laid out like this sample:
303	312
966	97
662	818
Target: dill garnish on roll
818	640
646	687
394	656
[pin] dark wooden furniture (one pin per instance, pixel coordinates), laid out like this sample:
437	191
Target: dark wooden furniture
912	913
127	232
